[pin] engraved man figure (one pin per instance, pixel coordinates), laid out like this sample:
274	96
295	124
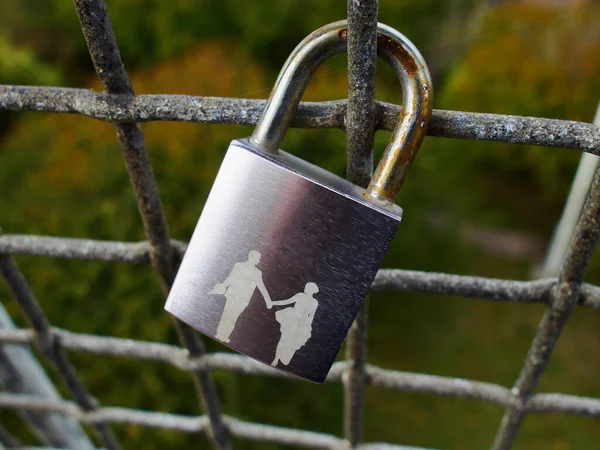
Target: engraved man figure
238	289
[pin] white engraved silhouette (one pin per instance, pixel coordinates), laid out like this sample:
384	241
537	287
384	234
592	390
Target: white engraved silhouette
296	323
238	289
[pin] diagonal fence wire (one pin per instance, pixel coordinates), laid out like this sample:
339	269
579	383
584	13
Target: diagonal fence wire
119	104
50	346
564	295
190	424
99	36
563	232
537	291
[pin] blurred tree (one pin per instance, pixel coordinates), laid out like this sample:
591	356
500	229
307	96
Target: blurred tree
532	59
21	65
165	29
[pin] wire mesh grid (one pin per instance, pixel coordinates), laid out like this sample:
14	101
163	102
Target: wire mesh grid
358	117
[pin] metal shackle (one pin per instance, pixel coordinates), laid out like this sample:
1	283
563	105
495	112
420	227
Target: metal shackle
417	96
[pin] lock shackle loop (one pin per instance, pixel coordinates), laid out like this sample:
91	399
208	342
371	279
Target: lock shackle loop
417	96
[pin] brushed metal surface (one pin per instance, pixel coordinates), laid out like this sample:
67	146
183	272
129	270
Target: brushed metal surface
305	226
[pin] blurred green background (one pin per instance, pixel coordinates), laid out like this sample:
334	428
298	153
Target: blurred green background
470	207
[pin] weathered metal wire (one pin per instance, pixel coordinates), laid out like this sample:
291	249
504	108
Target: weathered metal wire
537	291
388	379
564	295
241	111
360	135
99	36
119	104
51	347
21	373
563	232
188	424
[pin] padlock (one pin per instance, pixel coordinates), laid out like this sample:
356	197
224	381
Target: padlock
284	252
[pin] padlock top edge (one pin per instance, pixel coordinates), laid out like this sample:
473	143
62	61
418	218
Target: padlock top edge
321	177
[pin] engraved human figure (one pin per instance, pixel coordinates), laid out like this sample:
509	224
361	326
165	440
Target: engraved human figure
295	323
238	289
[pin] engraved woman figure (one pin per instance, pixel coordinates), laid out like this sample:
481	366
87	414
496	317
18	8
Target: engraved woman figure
295	323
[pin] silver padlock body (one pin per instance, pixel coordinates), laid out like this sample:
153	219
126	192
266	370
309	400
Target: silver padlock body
306	227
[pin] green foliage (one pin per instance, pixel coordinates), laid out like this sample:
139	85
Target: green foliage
63	175
153	30
20	65
532	61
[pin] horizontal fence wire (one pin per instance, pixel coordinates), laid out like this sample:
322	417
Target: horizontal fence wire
375	376
537	291
125	108
51	347
119	105
520	130
187	424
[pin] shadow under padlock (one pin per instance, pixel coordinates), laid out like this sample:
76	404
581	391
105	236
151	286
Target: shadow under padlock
284	252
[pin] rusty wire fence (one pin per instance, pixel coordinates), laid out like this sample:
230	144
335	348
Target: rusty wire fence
359	116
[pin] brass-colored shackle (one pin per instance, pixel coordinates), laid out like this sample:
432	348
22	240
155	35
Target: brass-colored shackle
417	96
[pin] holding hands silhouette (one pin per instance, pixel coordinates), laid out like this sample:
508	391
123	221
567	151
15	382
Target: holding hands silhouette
295	320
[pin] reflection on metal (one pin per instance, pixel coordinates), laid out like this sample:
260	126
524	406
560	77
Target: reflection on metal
572	211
